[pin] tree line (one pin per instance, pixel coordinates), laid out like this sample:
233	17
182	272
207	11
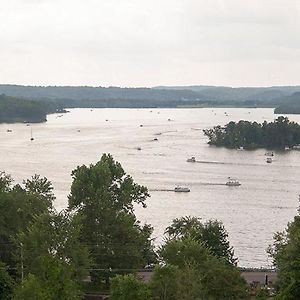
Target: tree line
252	135
45	254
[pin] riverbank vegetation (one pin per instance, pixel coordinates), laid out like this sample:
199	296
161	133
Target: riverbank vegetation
252	135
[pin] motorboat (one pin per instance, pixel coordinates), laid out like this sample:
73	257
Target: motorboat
179	189
286	148
155	139
269	160
296	147
232	182
269	153
192	159
139	148
241	148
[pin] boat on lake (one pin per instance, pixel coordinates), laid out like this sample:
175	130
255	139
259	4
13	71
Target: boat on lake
192	159
269	153
232	182
179	189
269	160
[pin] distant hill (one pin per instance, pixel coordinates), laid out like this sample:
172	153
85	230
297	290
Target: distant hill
290	104
163	96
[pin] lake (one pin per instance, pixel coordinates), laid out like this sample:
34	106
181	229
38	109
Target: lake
251	213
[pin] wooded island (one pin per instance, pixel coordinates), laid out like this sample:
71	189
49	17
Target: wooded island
279	134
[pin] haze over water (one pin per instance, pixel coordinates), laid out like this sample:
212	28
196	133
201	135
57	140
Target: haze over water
262	205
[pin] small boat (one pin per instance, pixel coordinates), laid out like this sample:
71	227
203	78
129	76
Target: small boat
155	139
192	159
232	182
8	130
286	148
169	120
241	148
269	160
269	153
179	189
141	125
296	147
139	148
31	136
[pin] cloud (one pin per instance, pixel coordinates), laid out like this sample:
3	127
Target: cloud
141	42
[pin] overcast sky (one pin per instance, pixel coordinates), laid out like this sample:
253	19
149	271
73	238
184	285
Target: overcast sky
150	42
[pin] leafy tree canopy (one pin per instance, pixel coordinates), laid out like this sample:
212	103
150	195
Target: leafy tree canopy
212	233
251	135
103	196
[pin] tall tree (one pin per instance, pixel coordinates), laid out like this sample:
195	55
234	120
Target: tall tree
19	207
103	197
286	255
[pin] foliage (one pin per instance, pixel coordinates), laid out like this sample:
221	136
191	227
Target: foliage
6	283
251	135
56	235
19	207
103	196
22	110
210	277
54	282
128	287
212	233
286	254
164	283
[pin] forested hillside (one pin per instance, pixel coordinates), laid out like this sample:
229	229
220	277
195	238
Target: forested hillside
21	110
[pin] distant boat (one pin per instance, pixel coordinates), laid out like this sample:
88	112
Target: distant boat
138	148
269	160
296	147
155	139
286	148
179	189
241	148
269	153
31	136
8	130
192	159
232	182
141	125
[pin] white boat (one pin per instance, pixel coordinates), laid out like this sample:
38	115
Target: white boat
232	182
269	160
192	159
296	147
286	148
241	148
179	189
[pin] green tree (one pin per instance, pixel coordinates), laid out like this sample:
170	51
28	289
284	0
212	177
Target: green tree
128	287
164	283
6	283
212	233
56	235
211	277
19	207
54	282
286	254
103	196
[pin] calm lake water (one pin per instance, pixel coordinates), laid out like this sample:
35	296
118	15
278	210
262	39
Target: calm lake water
262	205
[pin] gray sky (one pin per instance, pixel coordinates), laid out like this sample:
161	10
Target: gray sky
150	42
